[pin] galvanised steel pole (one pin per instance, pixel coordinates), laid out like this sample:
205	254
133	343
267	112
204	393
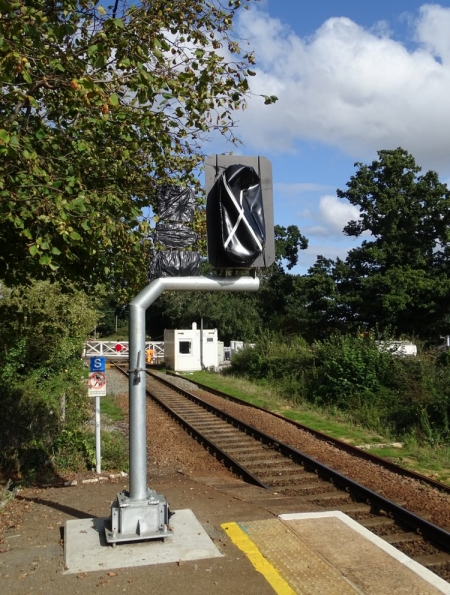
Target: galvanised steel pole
137	396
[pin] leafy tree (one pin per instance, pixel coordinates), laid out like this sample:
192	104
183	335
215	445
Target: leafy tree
321	309
400	278
233	314
277	286
42	330
99	105
288	242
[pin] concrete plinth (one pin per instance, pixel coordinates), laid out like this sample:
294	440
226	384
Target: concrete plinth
86	549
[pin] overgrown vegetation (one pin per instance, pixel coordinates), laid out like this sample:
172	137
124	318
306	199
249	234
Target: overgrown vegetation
42	331
7	493
384	392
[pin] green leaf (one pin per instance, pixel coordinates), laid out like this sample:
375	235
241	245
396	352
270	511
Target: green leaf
114	100
33	249
4	136
118	23
92	49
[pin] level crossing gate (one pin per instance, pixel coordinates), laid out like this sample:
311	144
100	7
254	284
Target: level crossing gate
120	349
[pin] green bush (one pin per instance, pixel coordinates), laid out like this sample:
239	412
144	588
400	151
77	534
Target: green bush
114	451
42	330
352	371
384	392
75	451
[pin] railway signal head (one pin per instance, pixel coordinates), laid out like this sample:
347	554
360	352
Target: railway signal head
239	212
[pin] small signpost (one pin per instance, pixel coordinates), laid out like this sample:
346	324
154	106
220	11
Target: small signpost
97	389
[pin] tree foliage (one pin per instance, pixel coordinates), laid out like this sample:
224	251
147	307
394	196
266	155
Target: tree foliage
98	106
288	242
233	314
400	277
42	330
238	316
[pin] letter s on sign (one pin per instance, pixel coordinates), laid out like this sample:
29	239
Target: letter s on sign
98	363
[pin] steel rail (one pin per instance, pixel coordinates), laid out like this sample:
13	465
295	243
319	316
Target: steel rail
235	465
353	450
399	513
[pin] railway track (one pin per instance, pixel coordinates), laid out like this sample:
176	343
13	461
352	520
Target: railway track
264	461
353	450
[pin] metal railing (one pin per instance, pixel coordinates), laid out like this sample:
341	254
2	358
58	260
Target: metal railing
120	349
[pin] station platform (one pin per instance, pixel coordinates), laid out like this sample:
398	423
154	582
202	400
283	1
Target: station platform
228	537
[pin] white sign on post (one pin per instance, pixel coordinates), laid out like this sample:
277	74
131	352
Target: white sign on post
97	384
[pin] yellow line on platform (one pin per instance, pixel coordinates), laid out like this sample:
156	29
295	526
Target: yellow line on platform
261	564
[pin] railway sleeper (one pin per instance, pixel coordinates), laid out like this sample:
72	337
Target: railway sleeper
318	488
377	522
399	538
209	423
280	469
204	418
318	497
259	458
195	418
240	440
354	508
432	560
252	448
237	450
225	433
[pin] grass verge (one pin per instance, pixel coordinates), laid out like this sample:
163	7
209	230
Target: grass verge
109	409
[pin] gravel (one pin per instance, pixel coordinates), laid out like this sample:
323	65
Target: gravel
414	495
172	449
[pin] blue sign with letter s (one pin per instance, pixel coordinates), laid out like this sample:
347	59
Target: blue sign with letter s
98	364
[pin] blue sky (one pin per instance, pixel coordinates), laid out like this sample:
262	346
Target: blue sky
352	78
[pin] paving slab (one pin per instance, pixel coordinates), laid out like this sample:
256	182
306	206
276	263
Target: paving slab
361	557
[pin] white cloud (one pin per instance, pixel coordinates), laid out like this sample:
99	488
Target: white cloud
433	31
330	219
352	88
316	231
336	214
